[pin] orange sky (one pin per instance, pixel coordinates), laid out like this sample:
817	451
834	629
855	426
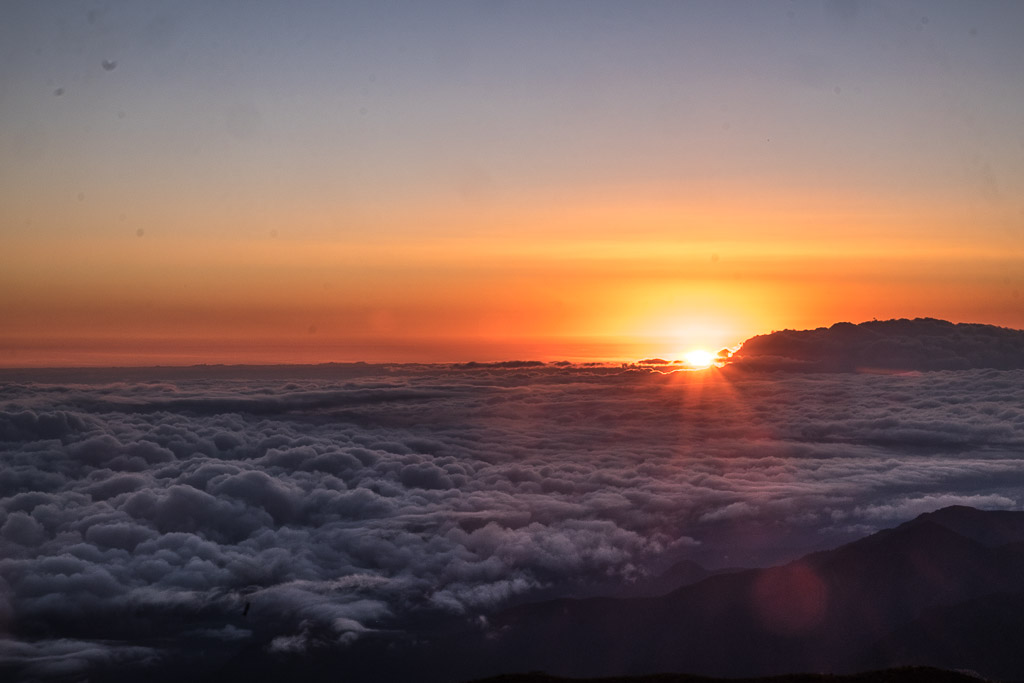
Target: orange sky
590	183
275	299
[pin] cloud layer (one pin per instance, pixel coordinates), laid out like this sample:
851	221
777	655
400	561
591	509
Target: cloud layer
288	511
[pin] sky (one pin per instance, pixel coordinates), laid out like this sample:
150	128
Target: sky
314	181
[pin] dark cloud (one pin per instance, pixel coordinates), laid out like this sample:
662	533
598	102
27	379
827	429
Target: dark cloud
67	659
26	425
136	515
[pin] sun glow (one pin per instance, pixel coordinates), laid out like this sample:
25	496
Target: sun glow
699	359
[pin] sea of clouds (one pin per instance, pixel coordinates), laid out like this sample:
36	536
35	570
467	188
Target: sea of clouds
231	506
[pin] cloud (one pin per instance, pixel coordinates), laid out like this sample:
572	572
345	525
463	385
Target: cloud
731	511
305	511
64	657
228	632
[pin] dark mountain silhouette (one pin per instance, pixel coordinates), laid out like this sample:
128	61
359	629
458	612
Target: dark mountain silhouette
861	606
981	634
682	573
885	345
990	527
945	589
910	674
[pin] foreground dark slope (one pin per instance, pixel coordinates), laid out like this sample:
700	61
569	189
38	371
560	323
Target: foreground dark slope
902	345
912	674
858	607
946	589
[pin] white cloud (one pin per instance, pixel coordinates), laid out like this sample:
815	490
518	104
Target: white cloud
343	505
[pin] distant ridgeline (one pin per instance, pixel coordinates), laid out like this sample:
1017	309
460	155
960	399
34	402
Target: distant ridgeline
886	346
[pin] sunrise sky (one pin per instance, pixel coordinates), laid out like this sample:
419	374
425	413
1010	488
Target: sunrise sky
244	182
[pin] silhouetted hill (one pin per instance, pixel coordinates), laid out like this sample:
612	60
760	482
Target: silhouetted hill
680	574
989	527
885	345
910	674
981	634
841	611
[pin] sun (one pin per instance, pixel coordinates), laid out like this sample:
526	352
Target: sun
698	359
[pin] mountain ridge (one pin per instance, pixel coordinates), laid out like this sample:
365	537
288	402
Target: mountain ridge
829	611
897	345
